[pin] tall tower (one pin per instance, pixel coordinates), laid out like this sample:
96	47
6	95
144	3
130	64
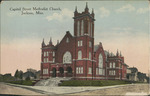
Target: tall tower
84	42
84	23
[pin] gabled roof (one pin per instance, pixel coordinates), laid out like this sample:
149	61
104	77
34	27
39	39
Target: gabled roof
106	52
67	33
133	69
26	74
96	47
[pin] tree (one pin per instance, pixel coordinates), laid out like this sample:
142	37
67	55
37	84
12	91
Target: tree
28	78
20	73
16	74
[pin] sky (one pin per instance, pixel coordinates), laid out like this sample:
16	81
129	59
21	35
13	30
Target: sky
122	25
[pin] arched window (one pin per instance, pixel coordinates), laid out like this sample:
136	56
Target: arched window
67	40
82	27
110	65
90	55
78	28
114	64
67	57
89	29
80	54
100	58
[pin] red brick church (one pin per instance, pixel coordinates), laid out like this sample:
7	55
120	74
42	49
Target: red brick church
76	55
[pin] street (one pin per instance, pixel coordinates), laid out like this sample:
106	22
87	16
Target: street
132	89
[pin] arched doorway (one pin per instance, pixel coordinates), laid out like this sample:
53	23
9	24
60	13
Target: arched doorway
69	72
54	72
61	72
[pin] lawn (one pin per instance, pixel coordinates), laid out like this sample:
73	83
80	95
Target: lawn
93	82
22	82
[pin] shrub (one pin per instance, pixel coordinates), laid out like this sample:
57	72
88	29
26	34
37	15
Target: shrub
22	82
92	82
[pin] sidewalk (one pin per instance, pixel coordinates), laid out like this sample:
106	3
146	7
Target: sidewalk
130	88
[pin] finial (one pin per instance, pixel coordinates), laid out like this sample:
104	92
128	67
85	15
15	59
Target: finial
120	54
108	54
76	9
50	39
117	54
86	5
92	11
100	43
50	42
43	43
86	8
57	42
111	54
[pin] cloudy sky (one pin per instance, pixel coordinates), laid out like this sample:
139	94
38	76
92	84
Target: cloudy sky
122	25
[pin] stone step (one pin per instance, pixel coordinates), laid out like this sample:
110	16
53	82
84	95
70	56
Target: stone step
51	81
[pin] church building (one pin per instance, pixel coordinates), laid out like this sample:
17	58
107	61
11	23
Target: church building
76	55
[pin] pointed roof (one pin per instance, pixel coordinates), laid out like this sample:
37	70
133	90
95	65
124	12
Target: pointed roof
57	42
50	42
92	11
106	53
86	5
86	8
117	54
76	9
43	43
96	47
100	44
120	54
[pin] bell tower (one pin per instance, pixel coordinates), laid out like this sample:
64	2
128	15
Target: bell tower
84	42
84	22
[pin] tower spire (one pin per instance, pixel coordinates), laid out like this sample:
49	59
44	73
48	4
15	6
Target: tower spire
86	8
108	54
76	9
92	11
57	42
43	43
111	54
117	54
86	5
120	54
50	42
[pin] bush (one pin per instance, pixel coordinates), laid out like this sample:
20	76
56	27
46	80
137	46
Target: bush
92	82
28	78
22	82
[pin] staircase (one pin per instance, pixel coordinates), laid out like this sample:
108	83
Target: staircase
53	82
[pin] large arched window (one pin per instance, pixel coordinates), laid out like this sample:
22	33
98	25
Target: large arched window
100	58
67	58
78	28
82	27
80	54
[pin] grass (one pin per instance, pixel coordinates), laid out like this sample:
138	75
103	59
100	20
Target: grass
22	82
93	82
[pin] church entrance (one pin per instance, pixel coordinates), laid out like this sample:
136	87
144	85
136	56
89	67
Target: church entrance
69	72
54	72
61	72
